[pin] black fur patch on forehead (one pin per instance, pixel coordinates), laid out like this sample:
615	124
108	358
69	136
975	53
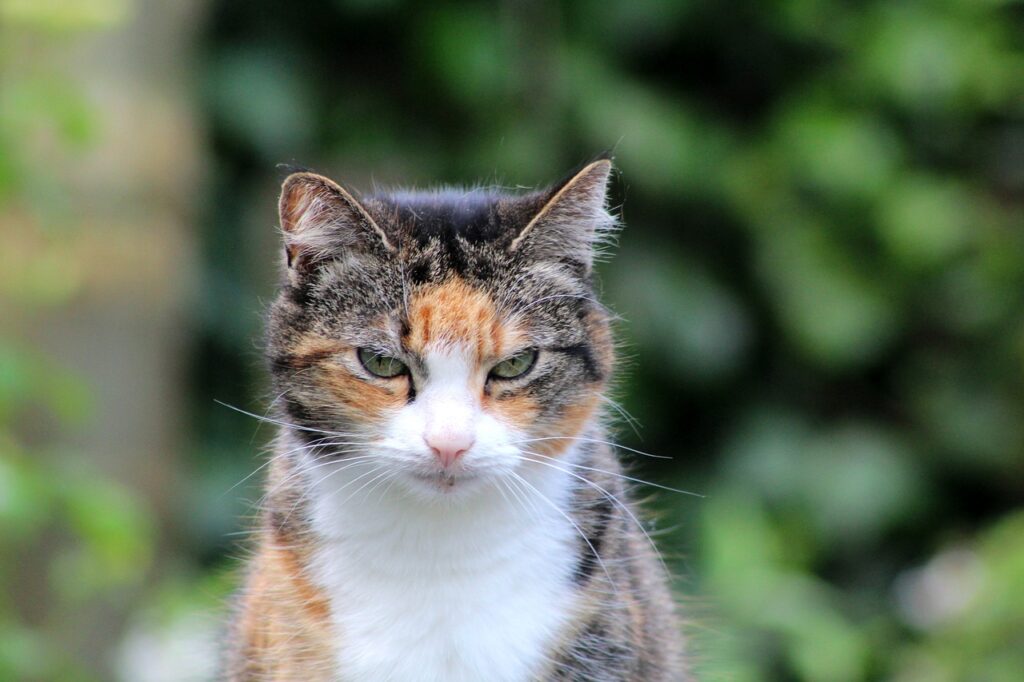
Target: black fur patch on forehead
448	216
461	232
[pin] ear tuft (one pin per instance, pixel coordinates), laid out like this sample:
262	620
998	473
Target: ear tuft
319	219
574	219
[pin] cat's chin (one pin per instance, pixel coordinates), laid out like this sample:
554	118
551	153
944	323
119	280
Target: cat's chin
445	485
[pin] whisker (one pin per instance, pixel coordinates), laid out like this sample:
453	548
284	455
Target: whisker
626	416
524	500
614	500
320	443
384	473
592	440
266	415
279	422
263	466
385	477
619	475
391	484
302	471
579	530
310	488
501	484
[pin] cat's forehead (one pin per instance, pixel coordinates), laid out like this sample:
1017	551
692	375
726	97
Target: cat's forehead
453	316
445	234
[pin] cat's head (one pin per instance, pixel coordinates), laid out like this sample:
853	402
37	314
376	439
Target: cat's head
448	338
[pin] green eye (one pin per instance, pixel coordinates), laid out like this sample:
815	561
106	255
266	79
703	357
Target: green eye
515	366
383	366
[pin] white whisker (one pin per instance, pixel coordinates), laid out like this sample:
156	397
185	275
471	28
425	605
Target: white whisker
279	422
614	500
626	416
618	475
579	530
592	440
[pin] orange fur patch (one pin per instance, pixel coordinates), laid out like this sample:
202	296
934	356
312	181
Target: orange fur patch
454	313
518	410
309	598
362	400
313	348
285	631
521	411
568	426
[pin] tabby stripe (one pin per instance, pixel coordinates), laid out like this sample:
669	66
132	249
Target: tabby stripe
586	355
591	549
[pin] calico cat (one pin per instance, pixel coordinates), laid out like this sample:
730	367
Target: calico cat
443	504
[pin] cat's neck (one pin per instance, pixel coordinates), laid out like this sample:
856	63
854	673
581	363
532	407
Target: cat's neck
444	592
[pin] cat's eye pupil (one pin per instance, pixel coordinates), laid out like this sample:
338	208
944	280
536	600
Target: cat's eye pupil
515	366
383	366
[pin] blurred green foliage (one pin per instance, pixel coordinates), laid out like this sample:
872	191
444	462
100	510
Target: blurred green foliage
92	538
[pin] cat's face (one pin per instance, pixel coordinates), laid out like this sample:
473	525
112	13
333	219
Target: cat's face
440	341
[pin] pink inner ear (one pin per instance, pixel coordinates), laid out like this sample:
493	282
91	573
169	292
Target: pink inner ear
320	218
304	209
303	198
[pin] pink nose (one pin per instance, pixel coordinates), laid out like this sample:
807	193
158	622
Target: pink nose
448	445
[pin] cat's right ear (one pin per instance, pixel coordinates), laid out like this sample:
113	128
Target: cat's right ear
321	220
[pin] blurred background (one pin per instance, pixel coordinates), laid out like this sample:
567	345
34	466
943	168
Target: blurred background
821	281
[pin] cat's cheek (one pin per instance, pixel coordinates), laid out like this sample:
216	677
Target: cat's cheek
518	411
362	401
563	429
552	435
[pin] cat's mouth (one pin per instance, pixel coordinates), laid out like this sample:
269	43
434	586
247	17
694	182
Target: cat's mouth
445	480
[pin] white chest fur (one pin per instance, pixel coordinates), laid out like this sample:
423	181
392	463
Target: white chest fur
446	594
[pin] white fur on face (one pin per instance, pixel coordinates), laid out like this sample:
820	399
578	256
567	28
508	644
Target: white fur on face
447	405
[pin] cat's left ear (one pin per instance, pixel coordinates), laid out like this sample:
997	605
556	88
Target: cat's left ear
572	220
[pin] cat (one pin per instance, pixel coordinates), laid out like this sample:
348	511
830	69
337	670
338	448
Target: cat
443	504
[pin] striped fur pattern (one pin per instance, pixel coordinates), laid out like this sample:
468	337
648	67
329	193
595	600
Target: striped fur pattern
447	523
